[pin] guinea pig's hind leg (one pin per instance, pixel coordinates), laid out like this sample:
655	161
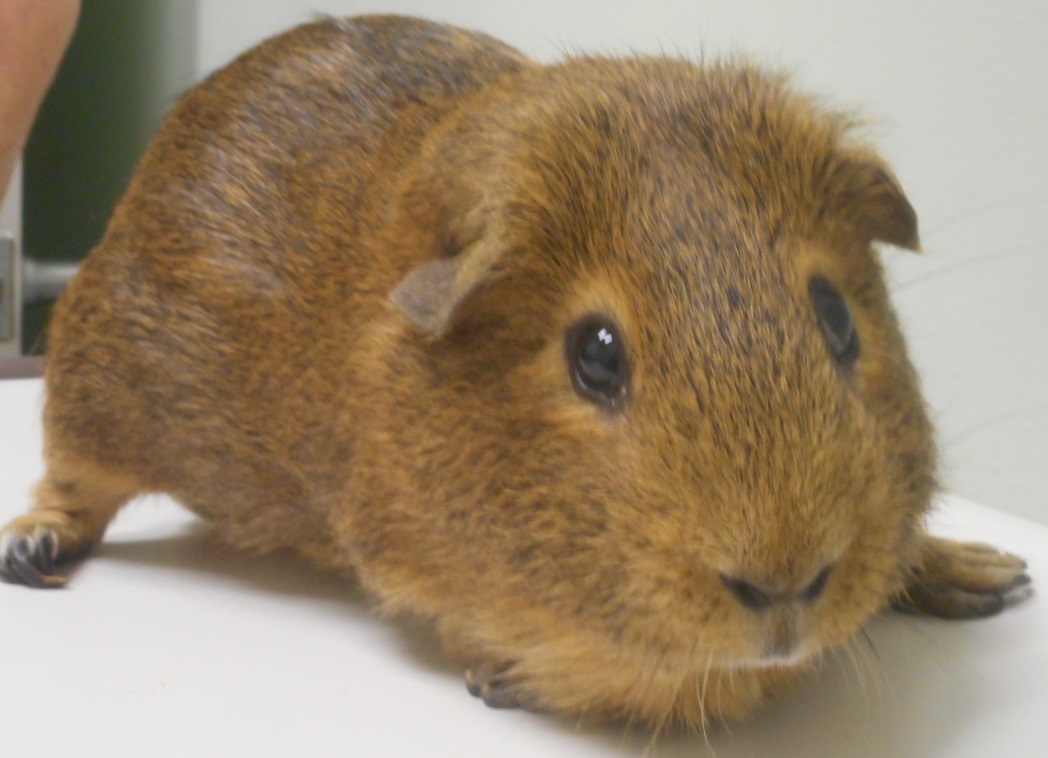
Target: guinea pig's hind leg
962	580
74	505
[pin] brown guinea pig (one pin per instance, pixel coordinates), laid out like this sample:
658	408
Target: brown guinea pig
592	364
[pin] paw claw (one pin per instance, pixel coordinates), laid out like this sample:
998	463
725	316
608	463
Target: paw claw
1020	581
493	685
46	553
29	560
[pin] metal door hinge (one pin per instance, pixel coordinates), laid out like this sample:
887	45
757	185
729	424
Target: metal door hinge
45	280
8	295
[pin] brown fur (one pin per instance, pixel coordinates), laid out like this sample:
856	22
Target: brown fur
329	315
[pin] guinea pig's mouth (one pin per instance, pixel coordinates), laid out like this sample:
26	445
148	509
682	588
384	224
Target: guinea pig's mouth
772	661
784	641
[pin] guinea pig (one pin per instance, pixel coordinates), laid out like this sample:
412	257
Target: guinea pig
593	364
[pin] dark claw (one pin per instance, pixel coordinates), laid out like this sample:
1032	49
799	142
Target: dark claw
498	694
495	689
31	562
26	562
45	553
1020	581
6	575
1018	591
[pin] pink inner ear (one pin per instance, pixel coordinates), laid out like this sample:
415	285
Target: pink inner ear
427	294
431	293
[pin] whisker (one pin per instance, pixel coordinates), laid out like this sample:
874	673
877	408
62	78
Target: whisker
702	701
860	673
869	642
1019	413
720	699
883	678
951	268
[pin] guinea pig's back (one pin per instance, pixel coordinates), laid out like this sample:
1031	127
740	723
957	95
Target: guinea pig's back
201	348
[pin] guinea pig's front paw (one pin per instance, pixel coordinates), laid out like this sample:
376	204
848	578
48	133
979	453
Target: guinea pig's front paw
34	547
958	580
29	557
495	685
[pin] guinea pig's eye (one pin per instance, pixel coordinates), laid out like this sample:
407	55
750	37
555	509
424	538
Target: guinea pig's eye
835	318
597	361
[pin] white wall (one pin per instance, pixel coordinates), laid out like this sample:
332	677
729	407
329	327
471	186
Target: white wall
960	93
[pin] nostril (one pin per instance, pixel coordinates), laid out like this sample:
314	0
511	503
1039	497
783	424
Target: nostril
747	593
816	587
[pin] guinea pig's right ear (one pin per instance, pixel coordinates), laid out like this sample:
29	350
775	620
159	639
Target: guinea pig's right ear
444	210
429	294
881	209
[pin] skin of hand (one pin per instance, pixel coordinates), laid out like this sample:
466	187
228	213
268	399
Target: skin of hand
33	37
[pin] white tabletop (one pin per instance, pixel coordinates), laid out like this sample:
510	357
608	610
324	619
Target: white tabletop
167	643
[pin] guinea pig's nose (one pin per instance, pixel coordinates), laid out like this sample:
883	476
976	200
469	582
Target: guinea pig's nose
813	590
757	598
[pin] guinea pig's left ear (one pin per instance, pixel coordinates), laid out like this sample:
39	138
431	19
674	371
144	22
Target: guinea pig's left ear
430	293
882	210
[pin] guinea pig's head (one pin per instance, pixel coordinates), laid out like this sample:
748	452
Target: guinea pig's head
652	389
